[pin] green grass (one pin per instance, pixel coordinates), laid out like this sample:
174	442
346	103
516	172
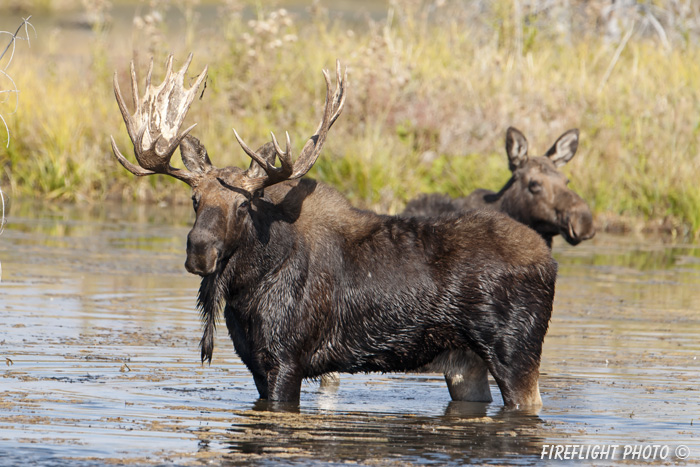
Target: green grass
430	97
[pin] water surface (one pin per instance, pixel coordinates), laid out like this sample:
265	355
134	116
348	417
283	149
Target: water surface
100	361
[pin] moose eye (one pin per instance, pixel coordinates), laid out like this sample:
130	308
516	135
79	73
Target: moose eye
195	203
243	206
534	186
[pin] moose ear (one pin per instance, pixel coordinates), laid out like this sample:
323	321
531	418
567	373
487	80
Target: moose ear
516	148
194	155
564	149
267	152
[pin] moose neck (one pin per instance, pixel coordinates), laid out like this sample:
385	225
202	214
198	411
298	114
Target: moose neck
502	201
265	247
508	201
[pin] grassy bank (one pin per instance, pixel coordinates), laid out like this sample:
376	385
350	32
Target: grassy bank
433	88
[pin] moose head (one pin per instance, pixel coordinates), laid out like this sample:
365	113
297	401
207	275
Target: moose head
537	194
222	197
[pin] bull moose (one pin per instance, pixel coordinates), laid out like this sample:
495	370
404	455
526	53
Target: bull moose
536	194
310	285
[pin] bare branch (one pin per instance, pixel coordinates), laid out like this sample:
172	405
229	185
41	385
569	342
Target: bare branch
616	57
3	221
3	72
14	37
15	91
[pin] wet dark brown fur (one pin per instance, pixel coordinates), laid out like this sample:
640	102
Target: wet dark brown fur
312	285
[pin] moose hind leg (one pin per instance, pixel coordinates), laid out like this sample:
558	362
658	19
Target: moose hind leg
517	376
331	380
519	390
466	375
469	386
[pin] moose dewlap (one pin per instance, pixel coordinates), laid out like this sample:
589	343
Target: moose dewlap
311	285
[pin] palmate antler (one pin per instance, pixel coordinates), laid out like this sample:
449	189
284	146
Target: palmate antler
312	148
154	127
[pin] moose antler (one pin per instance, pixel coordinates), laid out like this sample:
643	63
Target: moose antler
312	148
155	123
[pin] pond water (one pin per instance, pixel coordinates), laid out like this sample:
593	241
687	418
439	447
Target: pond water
100	362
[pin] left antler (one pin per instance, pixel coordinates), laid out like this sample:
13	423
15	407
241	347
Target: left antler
312	148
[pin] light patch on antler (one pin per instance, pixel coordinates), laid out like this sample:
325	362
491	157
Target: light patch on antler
166	105
154	127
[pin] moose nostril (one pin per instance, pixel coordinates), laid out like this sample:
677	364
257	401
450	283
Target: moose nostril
579	227
202	254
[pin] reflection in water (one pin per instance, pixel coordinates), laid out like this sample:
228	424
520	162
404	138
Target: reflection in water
100	337
463	434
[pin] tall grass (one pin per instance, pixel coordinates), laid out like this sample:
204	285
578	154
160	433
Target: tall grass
432	88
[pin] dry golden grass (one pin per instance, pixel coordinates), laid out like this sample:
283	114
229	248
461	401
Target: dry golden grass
433	88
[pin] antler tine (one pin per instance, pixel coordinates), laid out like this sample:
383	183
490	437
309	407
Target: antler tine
312	148
334	106
134	169
134	86
254	155
154	127
273	174
339	96
286	156
150	73
122	104
168	69
188	60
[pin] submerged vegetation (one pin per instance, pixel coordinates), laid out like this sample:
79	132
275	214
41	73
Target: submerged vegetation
432	88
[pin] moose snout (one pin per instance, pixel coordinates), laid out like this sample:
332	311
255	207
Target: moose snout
202	253
579	227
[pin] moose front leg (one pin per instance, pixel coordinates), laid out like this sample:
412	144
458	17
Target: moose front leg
261	385
284	383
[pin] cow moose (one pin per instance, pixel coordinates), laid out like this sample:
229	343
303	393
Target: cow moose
536	194
311	285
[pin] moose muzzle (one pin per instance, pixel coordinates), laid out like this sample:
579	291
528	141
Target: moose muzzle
204	243
579	225
202	255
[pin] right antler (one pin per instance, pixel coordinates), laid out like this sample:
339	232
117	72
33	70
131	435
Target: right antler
312	148
154	126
